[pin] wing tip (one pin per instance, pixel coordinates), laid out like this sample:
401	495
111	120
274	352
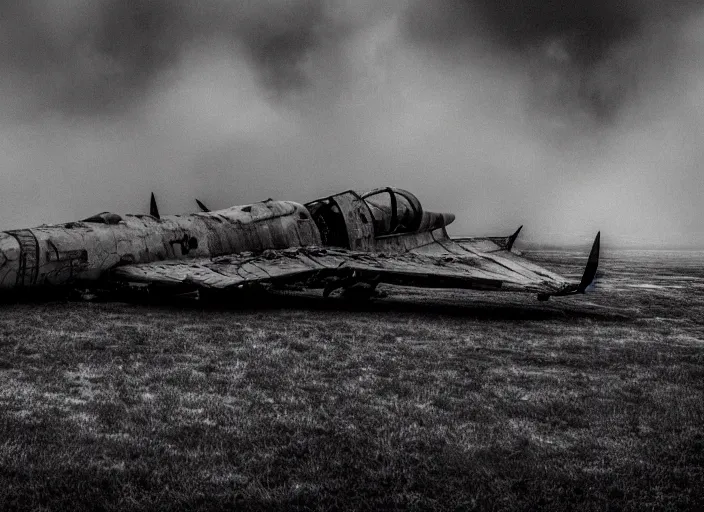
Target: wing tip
592	265
587	276
513	237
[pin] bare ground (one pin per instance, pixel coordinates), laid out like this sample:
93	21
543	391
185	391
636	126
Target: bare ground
430	400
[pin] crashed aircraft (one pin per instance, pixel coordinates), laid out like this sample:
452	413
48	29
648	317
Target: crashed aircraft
338	242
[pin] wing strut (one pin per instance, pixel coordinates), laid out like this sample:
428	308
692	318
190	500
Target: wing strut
153	209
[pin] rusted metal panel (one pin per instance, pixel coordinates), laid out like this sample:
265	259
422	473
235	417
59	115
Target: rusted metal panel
263	230
403	242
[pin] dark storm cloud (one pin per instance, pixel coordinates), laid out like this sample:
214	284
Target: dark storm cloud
567	117
86	57
524	23
591	53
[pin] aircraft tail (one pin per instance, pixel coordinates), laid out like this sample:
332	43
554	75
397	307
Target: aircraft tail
202	207
153	209
506	242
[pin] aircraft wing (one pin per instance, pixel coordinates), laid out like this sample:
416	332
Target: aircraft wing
461	263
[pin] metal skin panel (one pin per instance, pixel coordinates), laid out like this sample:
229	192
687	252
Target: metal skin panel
85	250
403	242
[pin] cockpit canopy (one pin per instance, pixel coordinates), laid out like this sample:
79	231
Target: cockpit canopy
393	210
344	219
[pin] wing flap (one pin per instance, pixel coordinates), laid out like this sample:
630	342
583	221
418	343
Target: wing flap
491	259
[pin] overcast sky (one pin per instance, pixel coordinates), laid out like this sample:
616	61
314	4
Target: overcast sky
566	118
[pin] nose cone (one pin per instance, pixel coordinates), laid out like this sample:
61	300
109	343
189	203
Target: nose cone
434	220
448	218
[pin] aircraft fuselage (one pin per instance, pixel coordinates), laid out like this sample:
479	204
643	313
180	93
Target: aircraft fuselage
60	254
83	251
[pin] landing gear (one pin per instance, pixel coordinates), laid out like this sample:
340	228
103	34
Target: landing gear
354	289
362	292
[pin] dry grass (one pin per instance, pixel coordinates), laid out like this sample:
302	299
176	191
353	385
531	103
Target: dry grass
446	400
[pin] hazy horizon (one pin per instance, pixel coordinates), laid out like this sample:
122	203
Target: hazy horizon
567	119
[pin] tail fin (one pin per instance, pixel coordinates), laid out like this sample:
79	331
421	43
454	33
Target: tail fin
153	210
202	206
506	242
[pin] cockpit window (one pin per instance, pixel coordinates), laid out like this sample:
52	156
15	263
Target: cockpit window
330	221
382	209
394	211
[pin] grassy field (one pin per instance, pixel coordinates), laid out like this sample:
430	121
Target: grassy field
443	400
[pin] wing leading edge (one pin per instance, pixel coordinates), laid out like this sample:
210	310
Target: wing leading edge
462	263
